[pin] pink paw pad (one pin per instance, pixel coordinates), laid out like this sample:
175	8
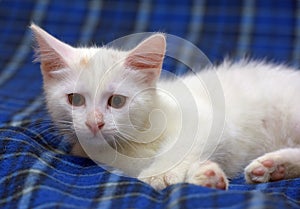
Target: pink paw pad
258	171
220	184
277	174
268	163
210	173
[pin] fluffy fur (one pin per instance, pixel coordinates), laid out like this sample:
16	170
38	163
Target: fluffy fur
258	112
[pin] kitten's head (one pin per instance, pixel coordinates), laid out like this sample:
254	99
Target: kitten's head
99	91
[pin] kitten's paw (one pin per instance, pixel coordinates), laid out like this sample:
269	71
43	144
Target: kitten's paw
162	181
207	174
264	169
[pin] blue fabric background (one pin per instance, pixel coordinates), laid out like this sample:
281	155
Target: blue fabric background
36	172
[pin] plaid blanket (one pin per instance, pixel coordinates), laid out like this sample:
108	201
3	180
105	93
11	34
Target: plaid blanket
35	169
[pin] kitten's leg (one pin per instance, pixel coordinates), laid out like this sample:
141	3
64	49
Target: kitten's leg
162	181
274	166
159	182
207	174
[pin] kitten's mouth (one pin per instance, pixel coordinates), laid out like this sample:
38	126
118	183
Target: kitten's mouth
97	139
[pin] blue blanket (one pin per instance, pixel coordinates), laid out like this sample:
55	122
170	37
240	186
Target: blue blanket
35	169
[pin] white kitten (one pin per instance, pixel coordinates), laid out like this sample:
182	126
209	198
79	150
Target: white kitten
110	99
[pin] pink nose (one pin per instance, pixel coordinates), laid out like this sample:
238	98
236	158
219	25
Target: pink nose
94	121
94	127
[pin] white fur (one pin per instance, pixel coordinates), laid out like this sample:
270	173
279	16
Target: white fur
261	115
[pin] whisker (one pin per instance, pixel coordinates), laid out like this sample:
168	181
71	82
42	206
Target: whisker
120	137
126	136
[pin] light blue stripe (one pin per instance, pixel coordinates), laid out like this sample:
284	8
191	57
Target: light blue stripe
194	30
34	171
58	204
46	163
25	47
186	197
32	179
174	196
91	21
245	28
30	182
142	16
27	191
256	200
140	25
108	192
17	119
261	187
296	51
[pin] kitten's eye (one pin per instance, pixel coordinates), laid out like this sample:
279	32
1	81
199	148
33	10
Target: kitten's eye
76	99
116	101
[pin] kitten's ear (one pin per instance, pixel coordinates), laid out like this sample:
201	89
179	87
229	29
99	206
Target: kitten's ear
148	56
52	53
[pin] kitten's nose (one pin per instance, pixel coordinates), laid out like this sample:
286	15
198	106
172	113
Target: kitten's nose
94	127
95	121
